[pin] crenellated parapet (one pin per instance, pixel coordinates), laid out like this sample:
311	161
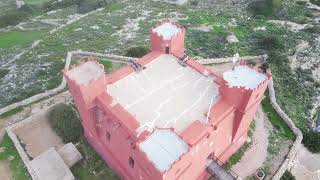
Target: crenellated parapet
168	37
86	81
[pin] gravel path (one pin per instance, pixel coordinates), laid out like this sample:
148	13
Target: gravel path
254	157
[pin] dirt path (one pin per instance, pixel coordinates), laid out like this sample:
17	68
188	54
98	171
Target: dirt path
306	165
254	157
4	171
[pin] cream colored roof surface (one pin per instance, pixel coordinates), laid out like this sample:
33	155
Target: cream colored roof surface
165	94
167	30
86	72
163	148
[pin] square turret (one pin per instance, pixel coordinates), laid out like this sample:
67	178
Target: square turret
168	37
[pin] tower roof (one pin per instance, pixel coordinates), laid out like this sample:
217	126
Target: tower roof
167	30
163	148
244	76
86	72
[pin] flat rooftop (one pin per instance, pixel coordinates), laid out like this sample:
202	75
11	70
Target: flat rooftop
167	30
86	72
165	94
163	148
243	76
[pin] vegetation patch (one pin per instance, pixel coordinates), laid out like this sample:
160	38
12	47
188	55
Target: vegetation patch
11	112
107	65
92	166
136	51
316	2
4	72
236	157
276	121
287	176
10	155
14	38
311	140
64	120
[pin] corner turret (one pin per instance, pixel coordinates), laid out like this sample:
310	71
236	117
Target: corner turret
168	37
243	87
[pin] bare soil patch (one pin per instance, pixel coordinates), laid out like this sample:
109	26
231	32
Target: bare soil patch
5	173
258	149
37	136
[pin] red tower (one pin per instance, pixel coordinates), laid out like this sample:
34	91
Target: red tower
169	119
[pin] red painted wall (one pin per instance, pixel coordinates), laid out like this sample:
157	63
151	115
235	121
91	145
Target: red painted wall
111	130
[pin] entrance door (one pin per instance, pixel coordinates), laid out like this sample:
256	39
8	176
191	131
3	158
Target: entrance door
167	50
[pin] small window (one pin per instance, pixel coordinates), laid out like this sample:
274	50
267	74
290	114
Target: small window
108	136
131	162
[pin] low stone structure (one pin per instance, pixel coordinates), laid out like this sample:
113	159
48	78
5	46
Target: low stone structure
49	164
70	154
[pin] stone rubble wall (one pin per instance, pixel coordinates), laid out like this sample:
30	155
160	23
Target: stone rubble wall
230	59
288	162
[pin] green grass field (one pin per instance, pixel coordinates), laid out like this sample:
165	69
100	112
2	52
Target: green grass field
276	120
18	170
15	38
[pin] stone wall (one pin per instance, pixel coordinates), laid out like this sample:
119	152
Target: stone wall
288	162
62	86
260	58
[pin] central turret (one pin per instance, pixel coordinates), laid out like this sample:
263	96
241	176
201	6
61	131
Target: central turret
168	37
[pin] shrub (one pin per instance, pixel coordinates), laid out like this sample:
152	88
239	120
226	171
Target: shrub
64	120
136	52
316	2
301	3
311	140
13	18
3	72
287	176
259	7
270	42
194	3
313	29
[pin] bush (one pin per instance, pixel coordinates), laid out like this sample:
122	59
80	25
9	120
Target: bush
311	140
316	2
64	120
287	176
3	72
270	42
136	52
313	29
259	7
301	3
13	18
